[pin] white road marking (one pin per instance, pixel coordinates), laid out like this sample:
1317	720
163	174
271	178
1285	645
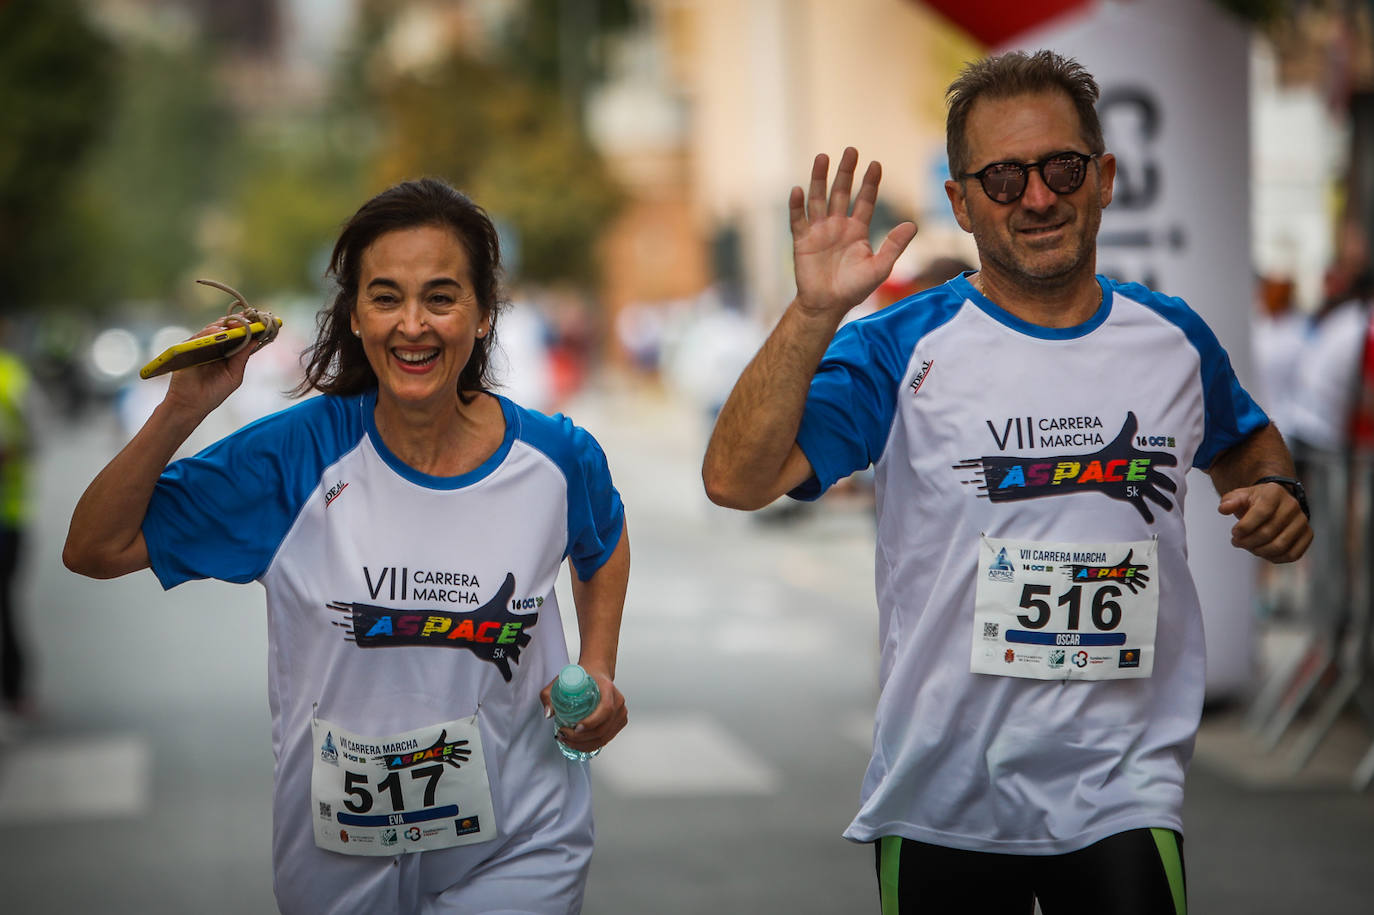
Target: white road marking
74	778
680	756
799	637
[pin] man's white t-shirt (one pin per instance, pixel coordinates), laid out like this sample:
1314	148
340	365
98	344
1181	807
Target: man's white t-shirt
1067	449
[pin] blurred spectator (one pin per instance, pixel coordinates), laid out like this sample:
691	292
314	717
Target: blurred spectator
1278	337
56	348
16	444
1325	394
520	360
1352	279
1278	340
639	329
716	343
1327	379
1362	423
1327	376
570	346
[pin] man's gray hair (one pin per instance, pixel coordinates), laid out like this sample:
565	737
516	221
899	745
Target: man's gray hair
1018	73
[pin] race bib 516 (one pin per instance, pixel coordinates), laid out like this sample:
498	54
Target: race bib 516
1065	611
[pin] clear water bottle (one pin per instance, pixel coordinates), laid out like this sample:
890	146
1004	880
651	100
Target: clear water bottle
574	696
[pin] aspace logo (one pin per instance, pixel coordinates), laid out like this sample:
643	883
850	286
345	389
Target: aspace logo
328	752
455	753
1002	568
1125	572
491	631
1118	470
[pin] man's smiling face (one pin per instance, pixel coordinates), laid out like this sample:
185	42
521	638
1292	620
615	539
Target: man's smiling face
1043	239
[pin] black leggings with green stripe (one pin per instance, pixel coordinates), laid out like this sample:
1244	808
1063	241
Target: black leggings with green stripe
1133	873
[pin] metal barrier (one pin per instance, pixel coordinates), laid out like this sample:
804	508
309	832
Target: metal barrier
1334	666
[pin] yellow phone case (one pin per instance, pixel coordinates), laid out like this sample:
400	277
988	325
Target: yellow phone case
199	350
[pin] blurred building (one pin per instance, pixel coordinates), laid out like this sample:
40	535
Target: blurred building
271	54
717	109
713	110
720	105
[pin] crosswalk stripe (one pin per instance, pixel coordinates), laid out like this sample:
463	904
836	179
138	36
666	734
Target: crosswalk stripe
679	756
74	778
763	637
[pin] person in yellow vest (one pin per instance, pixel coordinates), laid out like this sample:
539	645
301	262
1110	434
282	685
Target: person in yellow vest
15	448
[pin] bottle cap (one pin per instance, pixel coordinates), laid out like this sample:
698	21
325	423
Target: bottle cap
573	680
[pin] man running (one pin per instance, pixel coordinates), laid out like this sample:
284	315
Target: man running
1031	425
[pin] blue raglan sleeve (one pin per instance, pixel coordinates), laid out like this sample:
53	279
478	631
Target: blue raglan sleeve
1230	413
223	512
596	516
850	404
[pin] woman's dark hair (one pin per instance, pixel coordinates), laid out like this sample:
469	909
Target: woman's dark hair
336	363
1012	74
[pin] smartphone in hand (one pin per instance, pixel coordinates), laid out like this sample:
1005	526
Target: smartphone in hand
206	348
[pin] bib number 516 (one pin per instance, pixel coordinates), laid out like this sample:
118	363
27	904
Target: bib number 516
1105	612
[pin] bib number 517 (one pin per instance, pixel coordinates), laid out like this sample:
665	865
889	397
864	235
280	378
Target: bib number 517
360	799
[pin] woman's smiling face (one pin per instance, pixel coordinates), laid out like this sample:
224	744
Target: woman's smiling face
417	313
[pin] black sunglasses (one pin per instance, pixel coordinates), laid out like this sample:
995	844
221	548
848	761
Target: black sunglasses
1005	182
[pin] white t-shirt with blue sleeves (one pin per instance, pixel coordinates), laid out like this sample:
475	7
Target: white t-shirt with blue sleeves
395	599
981	425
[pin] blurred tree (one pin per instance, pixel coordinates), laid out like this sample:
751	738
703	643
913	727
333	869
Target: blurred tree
143	199
555	195
55	90
504	142
564	45
491	118
293	186
552	38
1260	12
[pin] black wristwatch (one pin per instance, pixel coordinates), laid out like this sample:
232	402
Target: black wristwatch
1294	487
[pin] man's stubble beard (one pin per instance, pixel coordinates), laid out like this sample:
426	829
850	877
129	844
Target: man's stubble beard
996	250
